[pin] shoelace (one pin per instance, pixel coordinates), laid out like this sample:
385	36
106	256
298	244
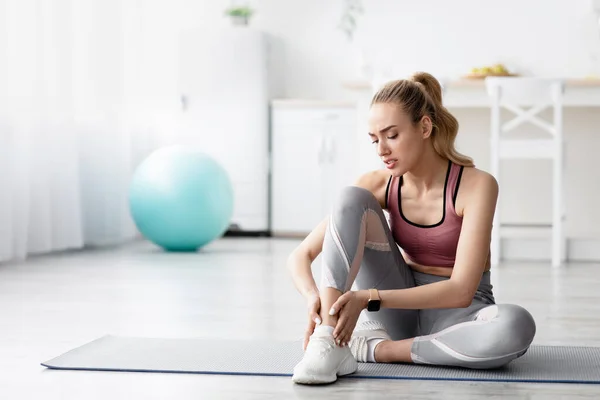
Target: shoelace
323	350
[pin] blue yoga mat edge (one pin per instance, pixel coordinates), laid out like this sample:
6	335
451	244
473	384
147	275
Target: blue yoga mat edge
111	353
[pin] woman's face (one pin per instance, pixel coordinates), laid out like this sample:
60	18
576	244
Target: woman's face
398	142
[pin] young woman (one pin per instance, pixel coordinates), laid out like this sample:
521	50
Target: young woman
420	285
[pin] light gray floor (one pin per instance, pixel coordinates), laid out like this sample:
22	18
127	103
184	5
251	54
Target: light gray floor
234	288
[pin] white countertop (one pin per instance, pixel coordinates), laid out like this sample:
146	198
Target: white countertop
312	103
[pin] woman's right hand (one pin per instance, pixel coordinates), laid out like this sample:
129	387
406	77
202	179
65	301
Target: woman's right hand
314	308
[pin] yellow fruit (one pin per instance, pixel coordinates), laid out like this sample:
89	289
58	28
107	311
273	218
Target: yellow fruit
499	69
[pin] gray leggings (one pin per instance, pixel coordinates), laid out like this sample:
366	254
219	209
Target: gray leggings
359	252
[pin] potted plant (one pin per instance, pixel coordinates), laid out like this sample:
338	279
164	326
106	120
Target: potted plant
352	10
240	15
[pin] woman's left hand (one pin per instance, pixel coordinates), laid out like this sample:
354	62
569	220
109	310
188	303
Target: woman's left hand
348	307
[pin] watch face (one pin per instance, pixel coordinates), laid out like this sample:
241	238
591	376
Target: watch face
373	305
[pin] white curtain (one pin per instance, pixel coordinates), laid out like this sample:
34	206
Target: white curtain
87	90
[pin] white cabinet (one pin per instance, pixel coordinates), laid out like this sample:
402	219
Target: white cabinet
312	153
224	82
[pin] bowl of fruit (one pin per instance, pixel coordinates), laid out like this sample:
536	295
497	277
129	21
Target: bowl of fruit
485	71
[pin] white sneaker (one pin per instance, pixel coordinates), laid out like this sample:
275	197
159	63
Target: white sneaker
323	360
364	332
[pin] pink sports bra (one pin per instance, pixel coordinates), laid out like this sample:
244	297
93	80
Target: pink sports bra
428	245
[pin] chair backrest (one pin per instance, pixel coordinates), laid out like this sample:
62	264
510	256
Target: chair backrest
517	93
525	91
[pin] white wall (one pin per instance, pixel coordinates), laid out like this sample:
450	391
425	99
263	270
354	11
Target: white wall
538	37
542	37
309	52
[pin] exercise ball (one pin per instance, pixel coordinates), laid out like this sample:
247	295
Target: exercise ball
180	199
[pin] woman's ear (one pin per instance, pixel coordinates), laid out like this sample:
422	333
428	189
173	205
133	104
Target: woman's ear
426	126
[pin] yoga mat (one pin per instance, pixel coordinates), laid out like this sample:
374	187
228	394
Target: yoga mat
557	364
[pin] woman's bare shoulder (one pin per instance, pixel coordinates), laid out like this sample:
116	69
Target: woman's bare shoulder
473	176
476	184
376	182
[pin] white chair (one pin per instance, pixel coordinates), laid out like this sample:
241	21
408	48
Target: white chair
536	94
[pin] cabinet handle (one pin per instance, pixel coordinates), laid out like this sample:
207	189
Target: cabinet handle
321	150
330	149
184	102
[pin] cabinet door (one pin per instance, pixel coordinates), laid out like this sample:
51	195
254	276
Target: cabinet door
296	191
341	157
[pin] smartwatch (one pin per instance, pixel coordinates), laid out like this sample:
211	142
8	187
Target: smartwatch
374	303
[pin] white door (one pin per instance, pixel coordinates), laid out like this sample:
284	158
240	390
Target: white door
296	191
341	157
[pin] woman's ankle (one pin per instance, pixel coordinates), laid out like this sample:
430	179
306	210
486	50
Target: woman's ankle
391	351
381	351
328	297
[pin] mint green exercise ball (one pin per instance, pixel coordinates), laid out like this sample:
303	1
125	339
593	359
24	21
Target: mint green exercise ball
181	199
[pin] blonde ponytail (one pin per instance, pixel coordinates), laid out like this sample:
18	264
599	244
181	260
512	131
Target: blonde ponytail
421	95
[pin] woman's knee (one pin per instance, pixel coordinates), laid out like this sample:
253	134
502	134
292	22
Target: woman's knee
498	335
515	328
521	323
353	199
